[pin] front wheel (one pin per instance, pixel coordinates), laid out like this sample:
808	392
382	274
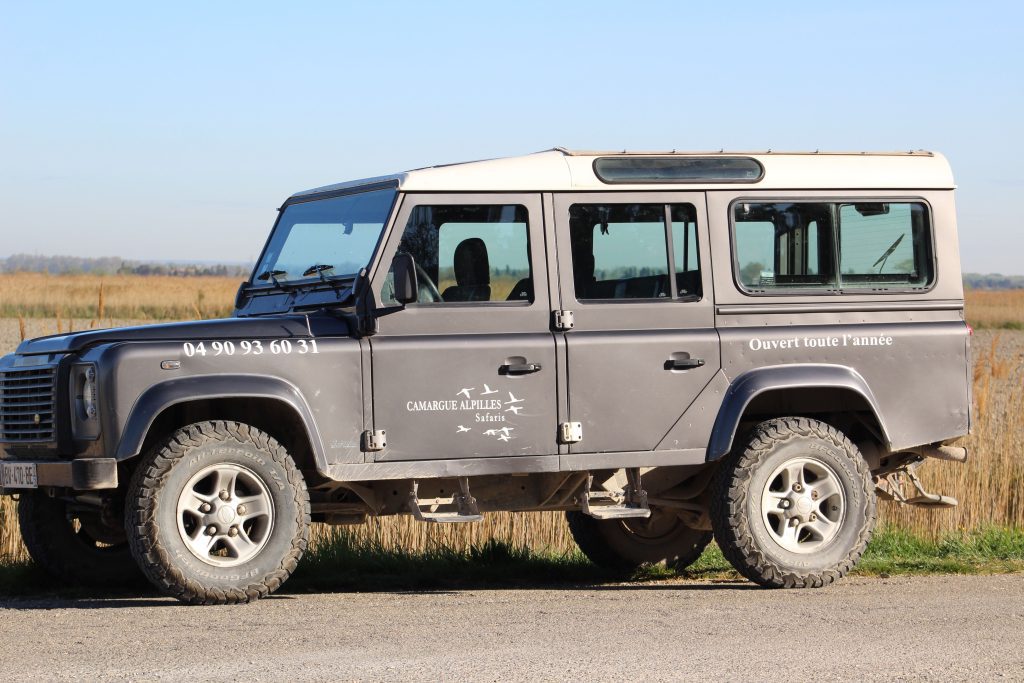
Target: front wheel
76	545
218	514
794	506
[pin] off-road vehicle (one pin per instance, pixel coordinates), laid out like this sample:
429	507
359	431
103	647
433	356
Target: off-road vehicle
669	347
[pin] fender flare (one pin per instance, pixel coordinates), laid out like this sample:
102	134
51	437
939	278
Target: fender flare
753	383
161	396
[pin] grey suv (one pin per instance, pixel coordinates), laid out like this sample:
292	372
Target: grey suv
668	347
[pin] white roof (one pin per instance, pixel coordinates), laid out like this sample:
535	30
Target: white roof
564	170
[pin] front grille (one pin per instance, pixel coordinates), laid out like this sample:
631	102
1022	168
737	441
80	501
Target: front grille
27	404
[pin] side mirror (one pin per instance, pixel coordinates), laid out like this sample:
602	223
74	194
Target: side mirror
407	287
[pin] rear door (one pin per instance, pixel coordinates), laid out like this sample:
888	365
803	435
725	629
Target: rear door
469	369
634	269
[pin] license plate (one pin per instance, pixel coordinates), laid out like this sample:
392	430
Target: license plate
18	475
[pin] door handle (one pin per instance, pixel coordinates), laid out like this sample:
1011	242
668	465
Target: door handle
683	363
518	368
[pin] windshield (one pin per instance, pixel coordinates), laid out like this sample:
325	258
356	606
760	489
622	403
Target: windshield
324	238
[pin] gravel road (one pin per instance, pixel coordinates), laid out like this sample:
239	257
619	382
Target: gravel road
932	628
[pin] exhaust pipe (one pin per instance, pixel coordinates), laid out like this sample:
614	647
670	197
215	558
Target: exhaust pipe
952	453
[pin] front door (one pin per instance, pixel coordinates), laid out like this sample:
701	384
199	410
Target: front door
469	369
634	272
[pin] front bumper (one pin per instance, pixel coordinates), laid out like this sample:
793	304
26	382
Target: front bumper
82	474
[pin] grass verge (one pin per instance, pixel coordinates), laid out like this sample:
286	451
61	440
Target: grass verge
339	563
986	551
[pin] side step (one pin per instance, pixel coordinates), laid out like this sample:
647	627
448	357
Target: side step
631	503
460	506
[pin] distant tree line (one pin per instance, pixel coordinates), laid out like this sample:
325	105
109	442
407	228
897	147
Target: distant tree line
993	281
113	265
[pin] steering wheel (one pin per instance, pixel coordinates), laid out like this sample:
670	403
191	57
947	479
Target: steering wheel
427	288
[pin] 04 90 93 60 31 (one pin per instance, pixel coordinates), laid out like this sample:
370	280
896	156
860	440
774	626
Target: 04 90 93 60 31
247	347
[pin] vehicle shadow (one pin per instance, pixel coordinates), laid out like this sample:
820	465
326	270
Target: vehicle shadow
411	576
78	598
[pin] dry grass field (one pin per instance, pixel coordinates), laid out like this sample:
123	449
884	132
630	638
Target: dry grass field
990	487
995	309
96	299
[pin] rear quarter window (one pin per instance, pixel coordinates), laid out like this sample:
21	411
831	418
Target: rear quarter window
837	246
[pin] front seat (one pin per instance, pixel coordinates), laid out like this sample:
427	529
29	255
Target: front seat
472	272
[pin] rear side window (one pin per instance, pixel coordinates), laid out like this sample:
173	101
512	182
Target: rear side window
884	245
686	256
622	251
835	246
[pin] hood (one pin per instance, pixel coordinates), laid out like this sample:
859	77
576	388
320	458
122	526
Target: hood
263	327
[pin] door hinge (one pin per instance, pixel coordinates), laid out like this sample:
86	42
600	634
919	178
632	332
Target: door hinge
564	320
570	432
374	440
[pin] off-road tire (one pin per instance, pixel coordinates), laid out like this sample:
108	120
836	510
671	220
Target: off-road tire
611	545
152	527
66	550
736	506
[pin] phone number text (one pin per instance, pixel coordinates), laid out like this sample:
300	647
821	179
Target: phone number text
278	347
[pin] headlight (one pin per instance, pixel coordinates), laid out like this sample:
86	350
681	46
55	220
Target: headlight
85	403
89	393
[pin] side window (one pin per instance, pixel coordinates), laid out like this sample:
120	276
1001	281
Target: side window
884	244
831	246
477	253
620	251
784	246
684	246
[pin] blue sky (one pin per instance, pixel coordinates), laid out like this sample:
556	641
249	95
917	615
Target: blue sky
173	132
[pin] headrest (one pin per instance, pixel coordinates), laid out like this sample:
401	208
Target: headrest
471	264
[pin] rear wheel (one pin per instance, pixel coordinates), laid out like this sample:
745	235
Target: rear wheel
625	544
74	545
794	506
218	514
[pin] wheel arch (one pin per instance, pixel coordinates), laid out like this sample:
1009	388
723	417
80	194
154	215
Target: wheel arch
268	403
806	389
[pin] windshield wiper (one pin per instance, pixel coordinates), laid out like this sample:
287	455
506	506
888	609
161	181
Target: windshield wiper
272	276
317	269
336	282
888	252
